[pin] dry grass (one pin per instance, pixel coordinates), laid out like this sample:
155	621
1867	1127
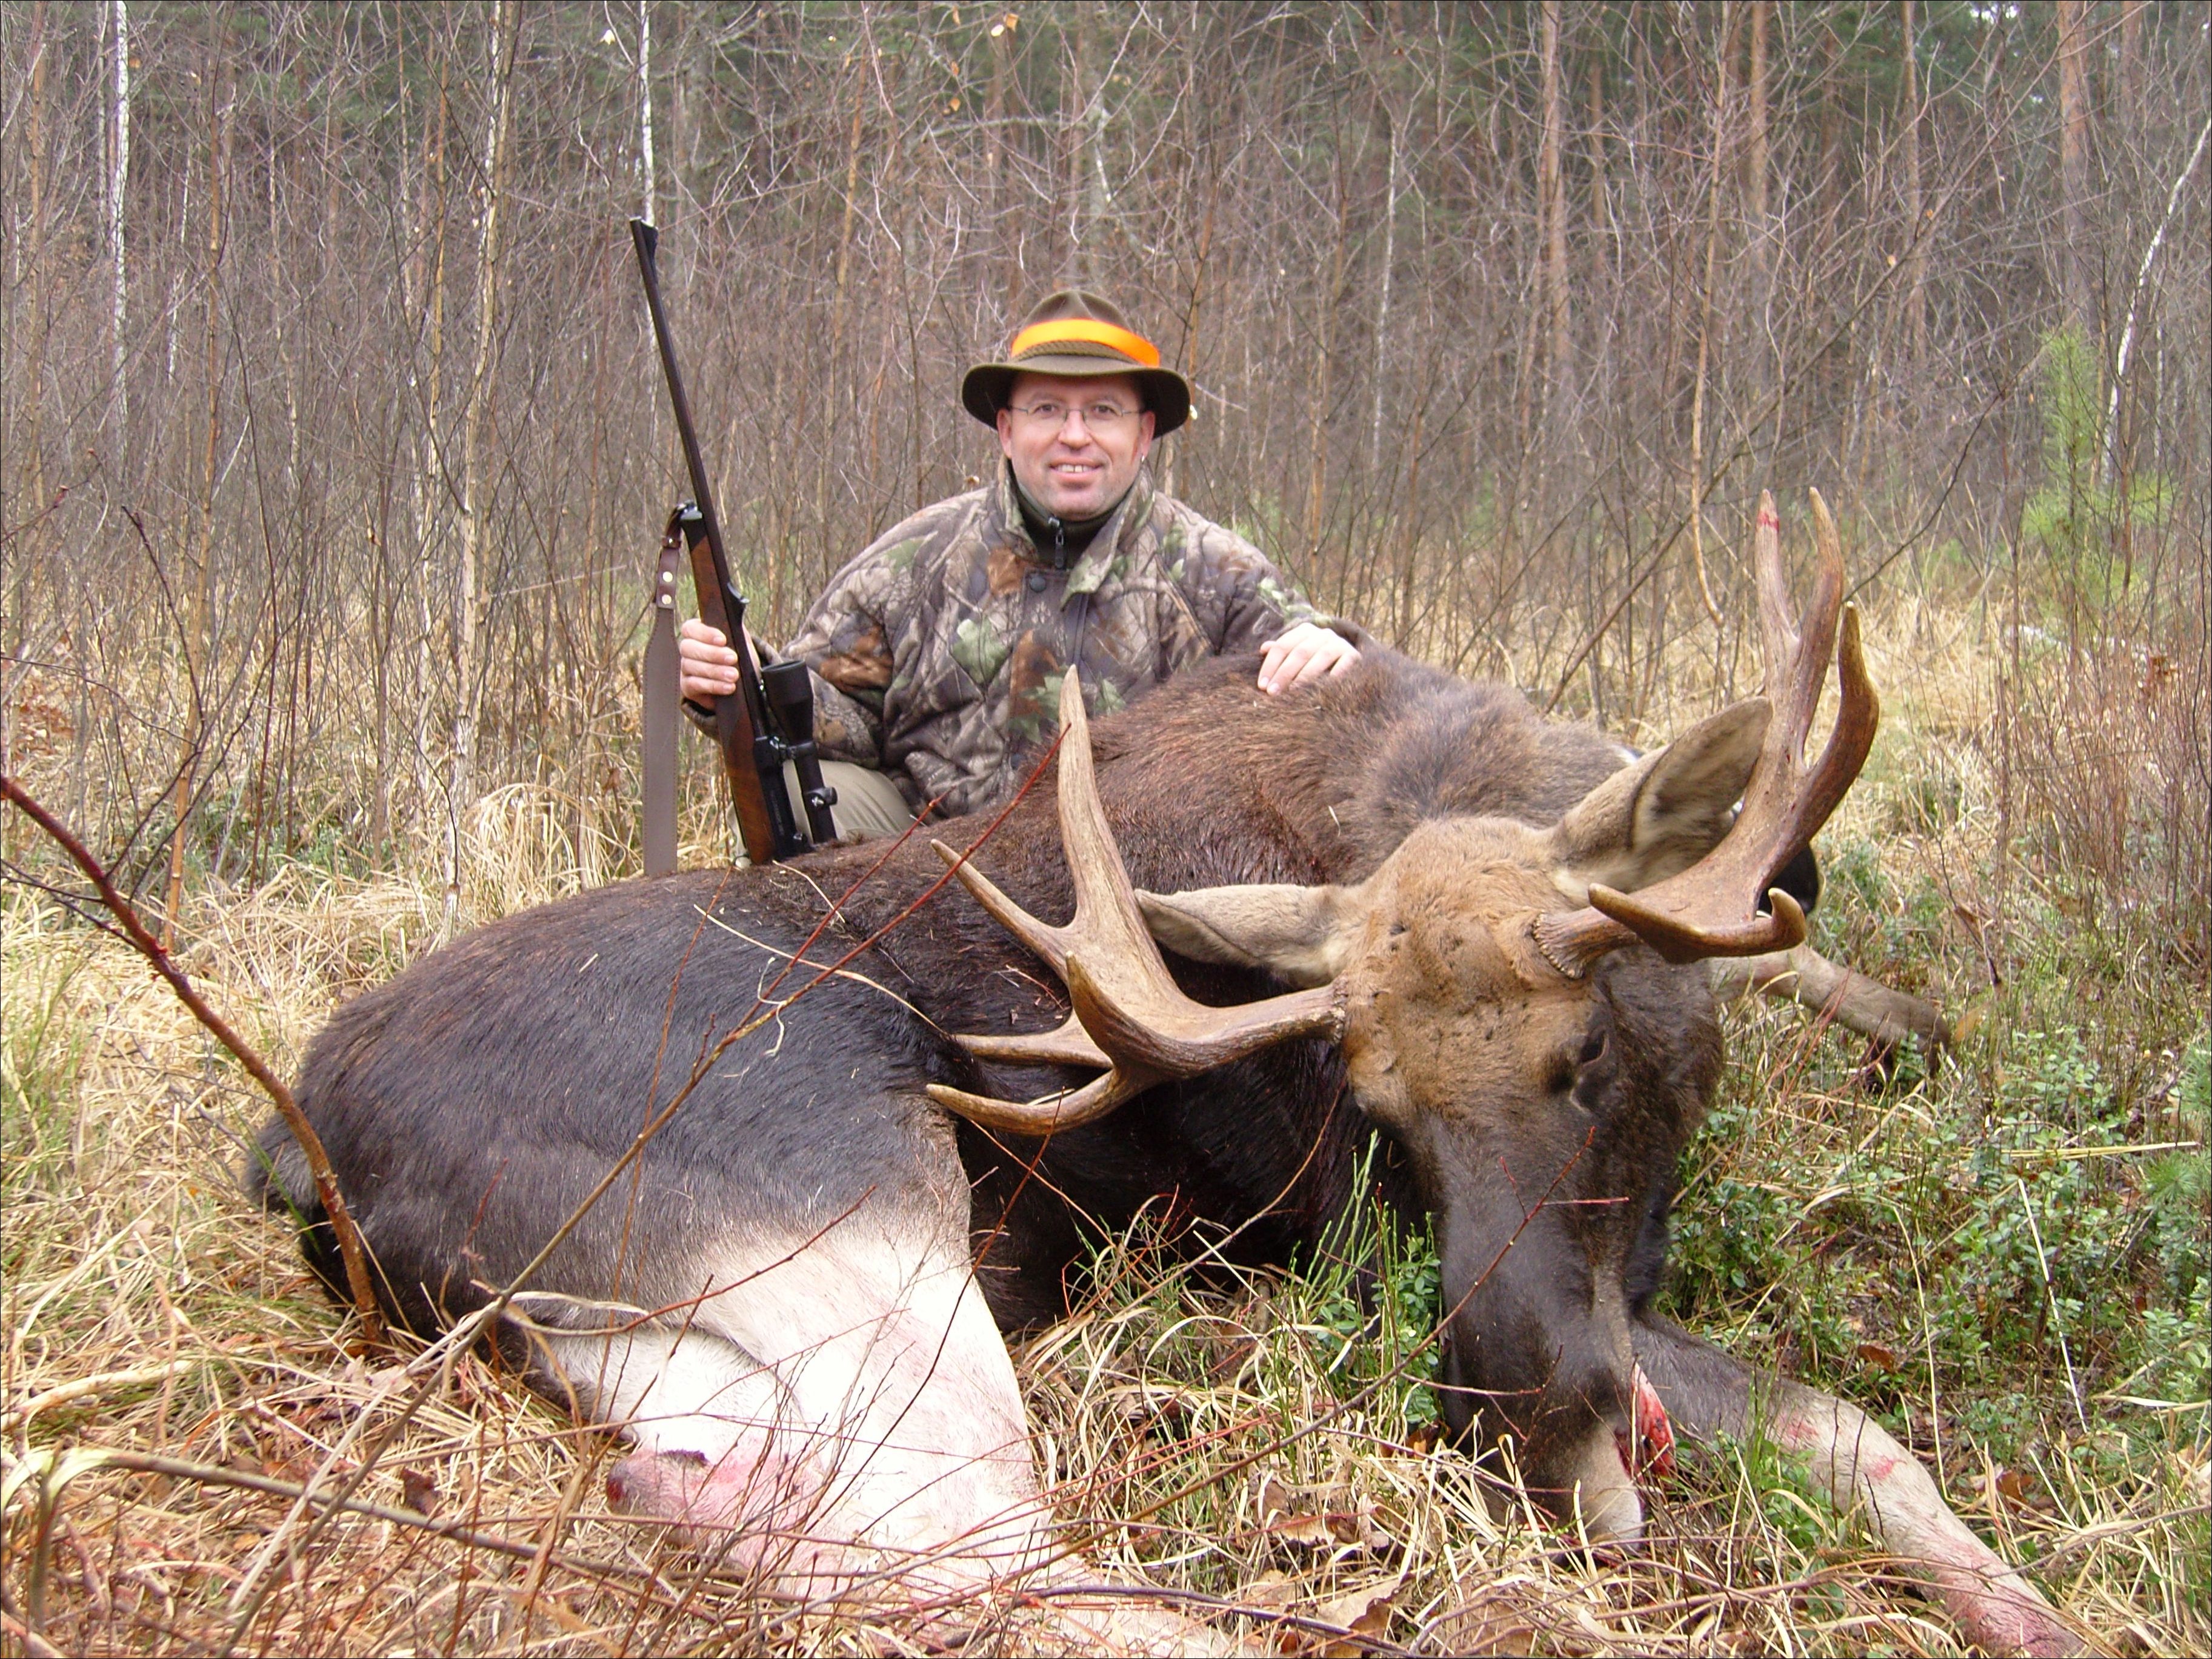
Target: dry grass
173	1379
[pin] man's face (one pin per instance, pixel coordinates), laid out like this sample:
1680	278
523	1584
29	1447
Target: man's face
1074	463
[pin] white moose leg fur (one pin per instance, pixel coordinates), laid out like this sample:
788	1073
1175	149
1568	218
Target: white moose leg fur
1855	1458
842	1417
838	1408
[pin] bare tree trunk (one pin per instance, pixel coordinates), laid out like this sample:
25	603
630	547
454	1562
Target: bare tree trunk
1916	243
1317	430
645	106
1084	117
118	178
1757	164
2131	62
995	151
468	598
1601	203
428	473
1553	196
1383	297
1762	224
1600	213
2073	161
827	459
197	620
1200	270
2113	445
1723	78
36	352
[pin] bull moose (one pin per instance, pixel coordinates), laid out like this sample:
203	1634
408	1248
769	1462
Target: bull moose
1396	899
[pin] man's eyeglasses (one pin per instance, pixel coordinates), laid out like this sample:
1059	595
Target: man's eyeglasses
1097	418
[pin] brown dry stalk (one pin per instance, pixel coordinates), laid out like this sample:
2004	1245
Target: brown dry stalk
351	1250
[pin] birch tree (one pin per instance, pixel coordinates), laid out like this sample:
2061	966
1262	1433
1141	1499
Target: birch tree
469	598
119	179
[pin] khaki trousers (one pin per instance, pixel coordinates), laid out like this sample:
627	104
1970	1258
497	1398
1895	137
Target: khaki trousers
869	805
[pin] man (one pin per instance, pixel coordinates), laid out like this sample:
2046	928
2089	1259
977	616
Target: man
937	654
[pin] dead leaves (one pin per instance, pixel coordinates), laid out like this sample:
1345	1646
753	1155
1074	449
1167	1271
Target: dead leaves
1323	1530
1364	1613
1357	1620
1878	1355
1331	1518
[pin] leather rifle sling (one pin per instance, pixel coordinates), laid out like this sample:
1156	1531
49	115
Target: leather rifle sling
662	691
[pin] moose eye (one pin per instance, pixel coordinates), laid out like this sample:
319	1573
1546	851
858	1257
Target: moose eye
1566	1069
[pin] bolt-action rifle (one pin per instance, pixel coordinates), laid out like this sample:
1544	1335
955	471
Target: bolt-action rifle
769	719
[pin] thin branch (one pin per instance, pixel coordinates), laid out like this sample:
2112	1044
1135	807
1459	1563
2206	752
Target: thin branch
351	1250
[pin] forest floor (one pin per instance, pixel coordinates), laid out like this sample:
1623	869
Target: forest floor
2003	1253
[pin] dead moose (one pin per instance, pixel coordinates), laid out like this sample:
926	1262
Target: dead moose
1398	899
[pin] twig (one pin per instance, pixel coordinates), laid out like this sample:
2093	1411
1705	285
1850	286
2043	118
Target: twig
350	1249
99	1383
2043	1260
206	1475
2135	300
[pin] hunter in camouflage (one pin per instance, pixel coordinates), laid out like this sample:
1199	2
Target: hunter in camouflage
937	655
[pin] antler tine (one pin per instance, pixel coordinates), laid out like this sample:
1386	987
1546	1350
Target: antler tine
1071	1110
1048	941
1778	628
1106	911
1782	805
1798	660
1130	1015
1710	908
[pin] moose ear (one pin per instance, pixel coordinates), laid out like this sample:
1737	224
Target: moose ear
1665	812
1301	934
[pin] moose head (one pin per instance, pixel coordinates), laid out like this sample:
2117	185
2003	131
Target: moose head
1515	1006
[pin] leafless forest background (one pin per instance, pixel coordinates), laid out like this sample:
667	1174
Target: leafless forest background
335	450
333	456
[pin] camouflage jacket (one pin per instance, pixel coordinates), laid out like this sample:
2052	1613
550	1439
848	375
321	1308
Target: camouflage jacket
938	653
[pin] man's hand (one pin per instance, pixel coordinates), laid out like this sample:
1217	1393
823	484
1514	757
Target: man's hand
707	667
1294	656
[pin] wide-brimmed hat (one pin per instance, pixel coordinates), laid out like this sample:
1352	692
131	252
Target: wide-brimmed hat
1078	334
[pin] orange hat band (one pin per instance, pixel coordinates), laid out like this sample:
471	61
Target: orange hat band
1086	330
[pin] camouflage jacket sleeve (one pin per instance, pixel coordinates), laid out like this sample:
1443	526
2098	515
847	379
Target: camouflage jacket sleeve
847	655
1239	599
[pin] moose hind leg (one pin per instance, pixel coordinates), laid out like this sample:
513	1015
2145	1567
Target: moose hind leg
843	1418
828	1409
713	1450
897	1382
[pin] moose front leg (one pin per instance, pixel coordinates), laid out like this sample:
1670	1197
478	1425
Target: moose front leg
1860	1465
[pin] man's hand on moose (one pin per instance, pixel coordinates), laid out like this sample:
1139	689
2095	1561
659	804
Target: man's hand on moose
707	667
1307	652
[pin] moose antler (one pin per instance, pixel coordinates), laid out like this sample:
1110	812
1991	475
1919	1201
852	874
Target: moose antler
1130	1016
1710	909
